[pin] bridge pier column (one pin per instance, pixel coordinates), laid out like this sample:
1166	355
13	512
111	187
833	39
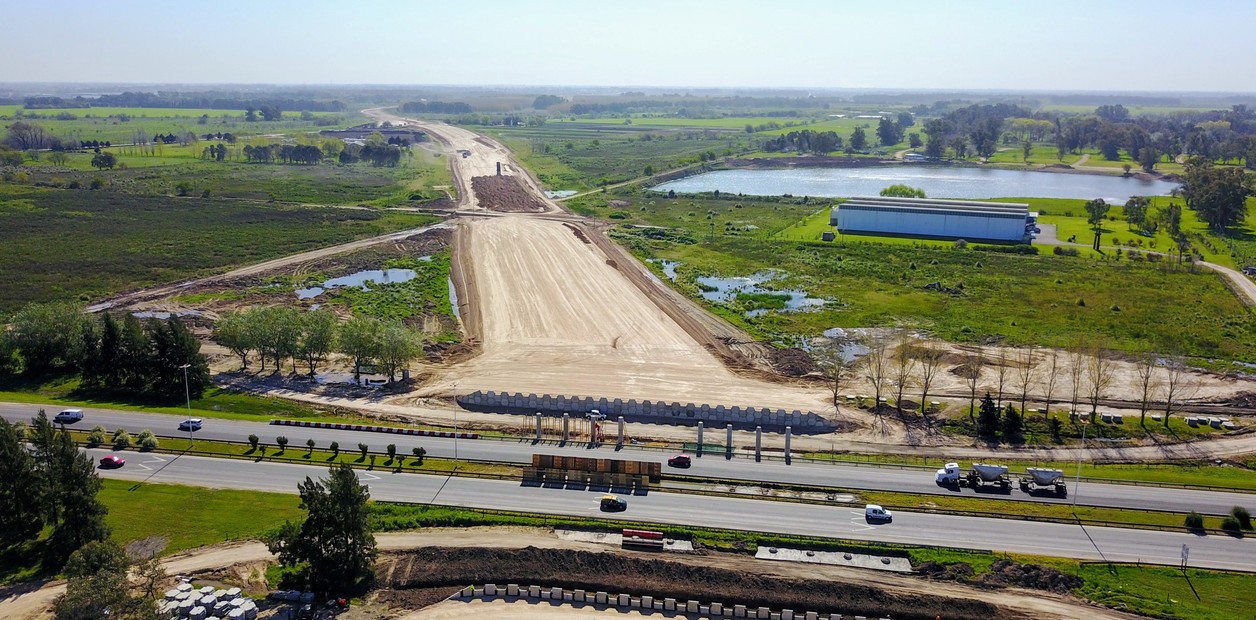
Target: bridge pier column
788	432
758	443
538	426
619	443
566	427
728	442
700	429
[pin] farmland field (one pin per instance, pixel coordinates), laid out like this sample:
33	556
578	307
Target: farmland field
81	244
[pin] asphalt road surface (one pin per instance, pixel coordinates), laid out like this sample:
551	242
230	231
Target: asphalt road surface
1094	543
709	466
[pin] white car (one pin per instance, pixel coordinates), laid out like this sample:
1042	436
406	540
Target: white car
69	416
190	424
873	512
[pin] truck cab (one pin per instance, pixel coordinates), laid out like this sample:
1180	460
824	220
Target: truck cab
948	476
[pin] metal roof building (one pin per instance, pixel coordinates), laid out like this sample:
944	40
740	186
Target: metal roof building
938	219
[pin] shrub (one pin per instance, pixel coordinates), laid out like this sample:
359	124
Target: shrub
309	443
1242	516
1061	251
419	453
392	451
122	441
335	448
97	436
148	444
1230	524
363	448
281	441
1194	521
961	244
1081	302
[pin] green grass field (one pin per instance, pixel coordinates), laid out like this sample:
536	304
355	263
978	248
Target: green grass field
79	244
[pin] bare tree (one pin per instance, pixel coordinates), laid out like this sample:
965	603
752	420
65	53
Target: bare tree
1099	370
1052	368
1177	384
931	357
903	368
1146	369
970	370
1077	366
1001	371
876	367
1025	374
832	361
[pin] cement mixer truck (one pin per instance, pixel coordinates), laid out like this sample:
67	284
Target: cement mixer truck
1043	479
980	475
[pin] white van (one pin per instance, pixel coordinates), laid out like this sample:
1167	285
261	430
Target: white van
873	512
68	416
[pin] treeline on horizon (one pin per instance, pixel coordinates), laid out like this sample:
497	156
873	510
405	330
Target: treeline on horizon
195	101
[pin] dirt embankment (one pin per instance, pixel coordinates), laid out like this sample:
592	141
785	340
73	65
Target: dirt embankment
506	194
424	569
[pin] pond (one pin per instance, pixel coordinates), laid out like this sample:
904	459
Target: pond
936	181
748	291
360	279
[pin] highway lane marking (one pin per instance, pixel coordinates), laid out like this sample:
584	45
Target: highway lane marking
367	477
145	464
856	525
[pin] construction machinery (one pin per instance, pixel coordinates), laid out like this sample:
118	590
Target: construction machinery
1043	479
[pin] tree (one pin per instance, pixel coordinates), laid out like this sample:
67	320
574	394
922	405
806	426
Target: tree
174	345
988	417
21	519
914	141
334	543
25	136
1146	372
361	339
876	367
1176	384
309	443
47	335
282	442
232	331
96	584
363	448
1013	423
1099	373
1052	373
903	191
1076	368
834	364
931	357
1136	211
1218	195
1148	157
959	144
391	449
82	516
253	439
398	346
335	449
1025	374
1027	149
102	161
904	367
970	371
889	132
318	337
419	453
1002	366
858	139
1096	210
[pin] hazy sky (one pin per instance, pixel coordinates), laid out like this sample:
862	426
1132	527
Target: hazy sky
930	44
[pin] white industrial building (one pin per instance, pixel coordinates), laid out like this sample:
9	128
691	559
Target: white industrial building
938	219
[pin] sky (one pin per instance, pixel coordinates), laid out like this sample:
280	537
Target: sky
1094	45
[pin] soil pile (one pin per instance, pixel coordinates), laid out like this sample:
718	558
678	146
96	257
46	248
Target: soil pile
505	194
424	570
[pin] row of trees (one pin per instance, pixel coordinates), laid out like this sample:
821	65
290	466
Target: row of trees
280	334
52	485
308	154
108	352
897	362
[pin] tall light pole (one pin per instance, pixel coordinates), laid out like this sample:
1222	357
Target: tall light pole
455	393
1078	484
187	393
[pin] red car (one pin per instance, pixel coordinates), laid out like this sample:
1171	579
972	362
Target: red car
111	462
680	460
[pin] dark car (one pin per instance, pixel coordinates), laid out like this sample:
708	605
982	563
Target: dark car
612	503
111	462
680	460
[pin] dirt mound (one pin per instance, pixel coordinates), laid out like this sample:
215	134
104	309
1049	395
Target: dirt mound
456	567
792	362
505	194
1005	573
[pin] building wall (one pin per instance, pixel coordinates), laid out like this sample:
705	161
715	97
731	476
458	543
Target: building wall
951	225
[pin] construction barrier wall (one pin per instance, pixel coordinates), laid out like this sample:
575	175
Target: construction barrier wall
653	412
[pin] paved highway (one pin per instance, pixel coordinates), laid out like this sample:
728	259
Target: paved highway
1096	543
712	466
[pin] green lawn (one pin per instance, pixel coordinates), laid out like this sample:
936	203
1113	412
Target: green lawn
1169	592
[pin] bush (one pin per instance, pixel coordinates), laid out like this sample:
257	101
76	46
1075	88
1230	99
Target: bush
363	448
148	444
1061	251
1244	518
1020	248
392	451
253	439
1195	521
335	448
419	453
309	443
122	441
97	436
1230	524
281	441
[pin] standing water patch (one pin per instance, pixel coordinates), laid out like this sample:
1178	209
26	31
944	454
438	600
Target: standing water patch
361	279
748	292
